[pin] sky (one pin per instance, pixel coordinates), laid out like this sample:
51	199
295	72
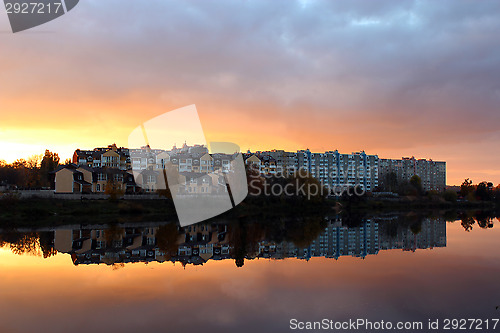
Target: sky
392	78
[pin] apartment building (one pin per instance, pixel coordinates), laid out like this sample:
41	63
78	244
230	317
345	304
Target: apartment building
432	173
331	168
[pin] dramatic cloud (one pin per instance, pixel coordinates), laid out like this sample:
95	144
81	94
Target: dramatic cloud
392	77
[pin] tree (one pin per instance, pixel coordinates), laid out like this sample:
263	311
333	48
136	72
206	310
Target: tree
28	171
167	237
467	222
50	162
308	186
450	196
113	189
416	227
302	232
391	182
113	234
27	243
483	191
466	188
238	241
255	181
416	182
46	241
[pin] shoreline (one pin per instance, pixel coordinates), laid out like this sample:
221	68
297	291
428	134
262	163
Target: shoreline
42	212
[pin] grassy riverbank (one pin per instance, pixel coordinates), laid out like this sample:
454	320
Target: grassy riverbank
38	212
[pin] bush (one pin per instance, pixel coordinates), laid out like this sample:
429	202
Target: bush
450	196
131	208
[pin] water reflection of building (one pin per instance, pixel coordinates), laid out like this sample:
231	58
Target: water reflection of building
426	234
335	241
202	242
191	245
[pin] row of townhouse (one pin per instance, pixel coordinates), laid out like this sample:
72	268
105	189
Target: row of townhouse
108	157
196	244
83	179
198	171
72	178
141	158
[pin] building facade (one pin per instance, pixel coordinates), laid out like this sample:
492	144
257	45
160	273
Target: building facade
432	173
331	168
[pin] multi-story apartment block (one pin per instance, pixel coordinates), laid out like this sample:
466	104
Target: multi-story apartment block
331	168
432	173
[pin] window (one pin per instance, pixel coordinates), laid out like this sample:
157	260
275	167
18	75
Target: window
98	187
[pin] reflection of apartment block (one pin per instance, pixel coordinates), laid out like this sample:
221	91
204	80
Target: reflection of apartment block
432	173
199	243
429	234
335	241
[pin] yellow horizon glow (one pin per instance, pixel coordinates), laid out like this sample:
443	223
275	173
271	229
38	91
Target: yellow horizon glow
63	136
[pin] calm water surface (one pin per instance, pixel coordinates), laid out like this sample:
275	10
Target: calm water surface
126	281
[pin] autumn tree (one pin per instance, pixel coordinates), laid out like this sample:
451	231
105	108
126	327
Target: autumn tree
391	182
483	191
113	189
49	163
466	188
112	234
308	186
167	237
416	183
